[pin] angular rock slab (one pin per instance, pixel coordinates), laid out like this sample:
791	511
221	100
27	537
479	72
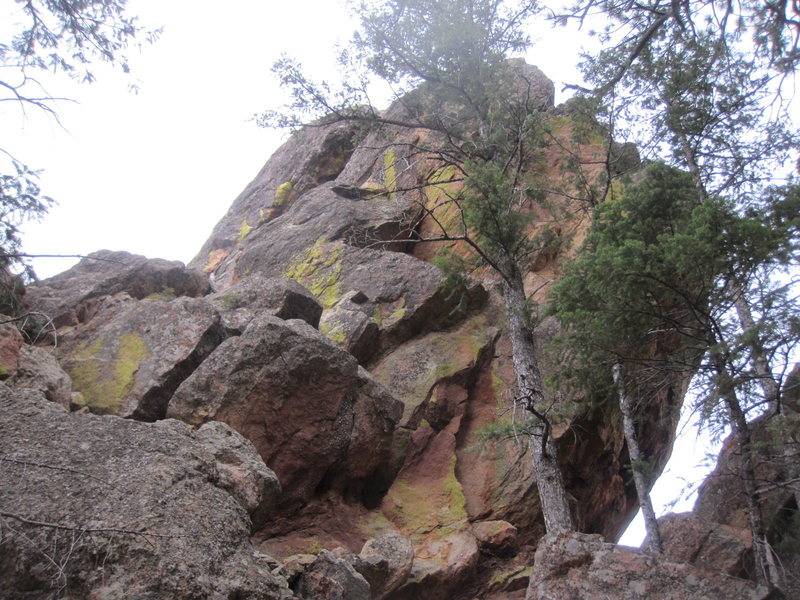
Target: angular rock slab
688	538
386	562
132	356
39	370
577	565
257	294
316	417
312	156
74	296
127	510
332	578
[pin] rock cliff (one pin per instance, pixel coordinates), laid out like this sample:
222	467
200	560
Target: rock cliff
311	333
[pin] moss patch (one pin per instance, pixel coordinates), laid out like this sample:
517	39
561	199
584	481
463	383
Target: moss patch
319	269
282	194
244	231
103	381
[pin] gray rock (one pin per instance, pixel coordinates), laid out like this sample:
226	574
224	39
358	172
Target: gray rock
257	294
577	565
131	357
75	295
385	562
39	370
108	508
332	578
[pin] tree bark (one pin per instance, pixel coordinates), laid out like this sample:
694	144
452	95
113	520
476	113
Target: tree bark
549	480
769	387
639	478
766	569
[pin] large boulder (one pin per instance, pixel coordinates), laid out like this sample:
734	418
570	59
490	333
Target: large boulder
10	344
317	418
256	294
108	508
385	562
332	578
39	370
575	565
75	295
131	357
720	548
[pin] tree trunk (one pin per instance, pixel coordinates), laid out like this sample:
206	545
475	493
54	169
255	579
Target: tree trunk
766	569
549	480
769	388
637	460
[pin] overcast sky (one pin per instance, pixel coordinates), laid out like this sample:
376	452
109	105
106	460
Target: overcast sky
152	172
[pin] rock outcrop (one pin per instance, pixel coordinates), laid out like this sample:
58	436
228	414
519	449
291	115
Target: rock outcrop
314	324
108	508
575	565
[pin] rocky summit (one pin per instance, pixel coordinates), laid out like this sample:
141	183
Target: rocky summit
306	410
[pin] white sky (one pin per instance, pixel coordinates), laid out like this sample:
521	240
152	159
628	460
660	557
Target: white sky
151	173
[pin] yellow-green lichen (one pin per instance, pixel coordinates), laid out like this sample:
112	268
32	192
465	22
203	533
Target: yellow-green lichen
440	189
167	293
106	381
390	172
319	269
244	230
396	311
334	331
282	194
423	506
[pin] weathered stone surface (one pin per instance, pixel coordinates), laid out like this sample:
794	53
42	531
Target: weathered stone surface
575	565
720	548
426	501
332	578
241	471
257	294
315	417
10	343
385	562
496	537
308	159
108	508
130	358
39	370
75	295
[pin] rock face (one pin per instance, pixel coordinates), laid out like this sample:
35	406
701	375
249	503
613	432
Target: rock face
315	326
129	359
74	296
102	507
315	416
569	566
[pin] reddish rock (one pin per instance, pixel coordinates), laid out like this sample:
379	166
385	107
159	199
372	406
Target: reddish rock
315	417
10	343
75	295
496	537
575	565
307	159
711	546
